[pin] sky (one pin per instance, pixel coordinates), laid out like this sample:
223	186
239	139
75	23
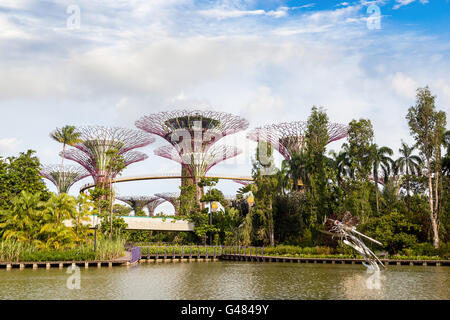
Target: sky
97	62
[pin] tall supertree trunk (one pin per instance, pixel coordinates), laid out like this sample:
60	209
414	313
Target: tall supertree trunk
62	168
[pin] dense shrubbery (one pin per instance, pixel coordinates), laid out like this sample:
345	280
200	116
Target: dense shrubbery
15	251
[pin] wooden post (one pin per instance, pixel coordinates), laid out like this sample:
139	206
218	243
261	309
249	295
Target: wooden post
182	252
8	266
86	265
148	253
47	265
190	252
99	264
173	252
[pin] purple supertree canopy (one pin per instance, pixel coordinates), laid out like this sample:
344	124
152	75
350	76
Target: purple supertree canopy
172	197
63	177
151	206
94	153
99	138
289	137
137	203
198	164
202	128
91	163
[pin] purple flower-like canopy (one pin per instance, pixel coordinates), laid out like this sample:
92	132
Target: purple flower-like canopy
63	177
172	197
93	152
289	137
202	127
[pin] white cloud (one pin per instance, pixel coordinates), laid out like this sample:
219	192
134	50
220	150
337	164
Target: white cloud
404	85
9	30
15	4
263	104
401	3
9	146
219	13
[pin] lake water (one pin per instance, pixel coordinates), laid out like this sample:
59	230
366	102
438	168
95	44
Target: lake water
228	280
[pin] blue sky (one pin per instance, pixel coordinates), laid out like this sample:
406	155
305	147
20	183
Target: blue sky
268	61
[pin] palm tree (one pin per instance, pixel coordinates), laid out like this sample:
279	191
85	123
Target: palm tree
408	163
21	222
297	169
284	181
380	159
54	232
341	163
67	135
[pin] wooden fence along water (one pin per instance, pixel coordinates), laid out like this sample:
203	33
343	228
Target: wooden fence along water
171	253
255	254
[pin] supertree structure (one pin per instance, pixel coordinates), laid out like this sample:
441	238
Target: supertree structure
192	135
198	164
101	145
151	206
137	203
200	128
63	177
289	137
172	197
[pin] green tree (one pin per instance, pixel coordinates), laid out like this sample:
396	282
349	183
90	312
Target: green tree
380	160
265	186
393	230
410	164
359	147
427	126
358	150
53	232
22	221
19	174
318	173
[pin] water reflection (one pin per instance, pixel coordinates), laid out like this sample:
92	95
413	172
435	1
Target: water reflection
229	280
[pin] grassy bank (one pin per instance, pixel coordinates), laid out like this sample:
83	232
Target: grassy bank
13	251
